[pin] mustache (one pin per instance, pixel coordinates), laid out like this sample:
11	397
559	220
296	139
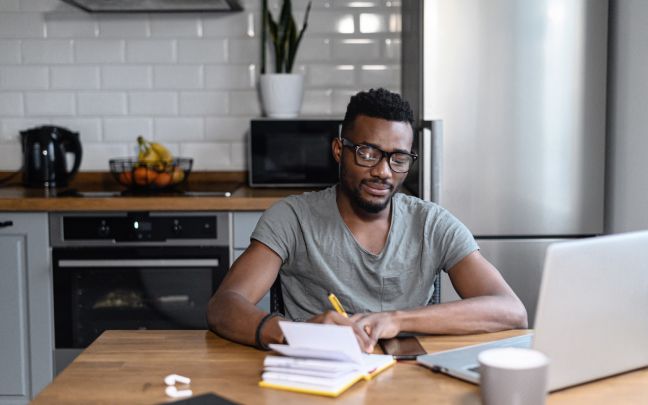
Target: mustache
388	185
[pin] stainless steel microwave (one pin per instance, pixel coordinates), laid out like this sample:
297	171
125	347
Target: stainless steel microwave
292	153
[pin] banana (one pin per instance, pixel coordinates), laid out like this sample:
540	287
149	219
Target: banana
153	152
161	150
146	153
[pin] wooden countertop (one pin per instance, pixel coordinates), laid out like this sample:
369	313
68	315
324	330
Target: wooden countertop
129	367
14	197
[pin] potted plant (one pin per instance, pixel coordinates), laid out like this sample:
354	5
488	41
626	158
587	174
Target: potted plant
282	90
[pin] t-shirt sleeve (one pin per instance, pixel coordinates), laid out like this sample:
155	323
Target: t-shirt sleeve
277	229
453	239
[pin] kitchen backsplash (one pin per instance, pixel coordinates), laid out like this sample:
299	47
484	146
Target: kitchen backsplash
188	80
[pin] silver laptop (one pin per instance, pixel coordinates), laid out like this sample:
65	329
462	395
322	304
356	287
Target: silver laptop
592	314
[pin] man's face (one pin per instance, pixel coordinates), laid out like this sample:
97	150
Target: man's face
371	188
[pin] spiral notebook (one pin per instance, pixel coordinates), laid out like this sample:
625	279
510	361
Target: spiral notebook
320	359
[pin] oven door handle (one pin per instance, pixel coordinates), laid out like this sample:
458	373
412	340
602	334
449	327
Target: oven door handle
140	263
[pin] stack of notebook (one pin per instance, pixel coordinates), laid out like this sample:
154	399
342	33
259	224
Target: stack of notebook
320	359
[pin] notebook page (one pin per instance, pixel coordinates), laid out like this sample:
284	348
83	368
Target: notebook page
315	336
308	364
312	353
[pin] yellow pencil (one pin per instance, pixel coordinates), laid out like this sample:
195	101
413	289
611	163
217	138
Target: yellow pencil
336	304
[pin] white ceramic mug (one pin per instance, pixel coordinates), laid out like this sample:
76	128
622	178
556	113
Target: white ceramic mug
513	376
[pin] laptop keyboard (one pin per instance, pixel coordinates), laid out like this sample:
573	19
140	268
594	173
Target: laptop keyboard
464	361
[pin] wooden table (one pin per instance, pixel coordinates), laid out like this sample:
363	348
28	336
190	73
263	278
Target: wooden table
129	367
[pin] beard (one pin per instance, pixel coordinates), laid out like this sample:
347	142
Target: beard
355	195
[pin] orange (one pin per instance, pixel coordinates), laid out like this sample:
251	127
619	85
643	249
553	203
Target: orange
163	179
144	176
126	178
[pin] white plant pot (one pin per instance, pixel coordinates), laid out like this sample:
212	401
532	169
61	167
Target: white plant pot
281	94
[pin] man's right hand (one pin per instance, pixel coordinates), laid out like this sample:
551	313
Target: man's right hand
332	317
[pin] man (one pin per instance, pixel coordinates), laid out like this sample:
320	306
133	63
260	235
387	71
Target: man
377	250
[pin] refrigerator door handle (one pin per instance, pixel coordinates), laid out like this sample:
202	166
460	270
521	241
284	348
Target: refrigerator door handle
431	149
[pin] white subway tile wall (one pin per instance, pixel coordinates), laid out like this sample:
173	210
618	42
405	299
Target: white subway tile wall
203	103
89	128
74	77
17	77
11	154
102	103
155	103
71	25
10	5
49	103
151	51
9	52
11	103
186	79
12	127
43	52
98	51
121	129
126	77
123	26
179	129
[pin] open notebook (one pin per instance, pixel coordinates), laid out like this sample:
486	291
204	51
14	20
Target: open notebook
319	359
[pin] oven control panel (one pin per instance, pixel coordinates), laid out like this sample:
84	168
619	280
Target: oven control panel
139	227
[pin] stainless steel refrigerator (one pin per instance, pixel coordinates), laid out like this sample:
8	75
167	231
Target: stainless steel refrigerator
510	95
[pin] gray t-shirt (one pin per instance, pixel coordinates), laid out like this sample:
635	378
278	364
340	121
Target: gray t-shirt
320	254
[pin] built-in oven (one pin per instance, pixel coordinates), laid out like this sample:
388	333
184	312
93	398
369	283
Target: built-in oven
134	270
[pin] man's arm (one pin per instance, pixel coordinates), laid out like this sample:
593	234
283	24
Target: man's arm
488	304
232	311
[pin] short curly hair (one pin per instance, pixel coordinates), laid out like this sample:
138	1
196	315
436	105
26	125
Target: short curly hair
377	103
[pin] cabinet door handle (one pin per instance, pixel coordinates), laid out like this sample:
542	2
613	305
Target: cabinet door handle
140	263
6	224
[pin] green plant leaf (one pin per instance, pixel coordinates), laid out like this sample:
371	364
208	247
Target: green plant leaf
273	30
295	44
284	37
264	29
290	51
286	14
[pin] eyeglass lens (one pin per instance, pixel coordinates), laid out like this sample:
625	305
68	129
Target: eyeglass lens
369	156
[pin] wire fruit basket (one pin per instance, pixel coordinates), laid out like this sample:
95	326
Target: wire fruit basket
150	176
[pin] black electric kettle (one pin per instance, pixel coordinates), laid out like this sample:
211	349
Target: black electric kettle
44	156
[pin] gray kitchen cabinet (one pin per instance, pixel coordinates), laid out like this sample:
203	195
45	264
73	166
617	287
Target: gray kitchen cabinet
243	225
25	307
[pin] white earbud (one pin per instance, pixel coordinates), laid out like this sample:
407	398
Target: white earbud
172	379
173	392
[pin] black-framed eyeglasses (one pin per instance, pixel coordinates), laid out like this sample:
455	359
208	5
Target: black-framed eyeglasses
370	156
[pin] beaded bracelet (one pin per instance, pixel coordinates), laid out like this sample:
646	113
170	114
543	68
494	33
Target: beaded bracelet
257	335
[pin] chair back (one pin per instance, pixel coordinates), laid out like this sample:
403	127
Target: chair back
276	297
